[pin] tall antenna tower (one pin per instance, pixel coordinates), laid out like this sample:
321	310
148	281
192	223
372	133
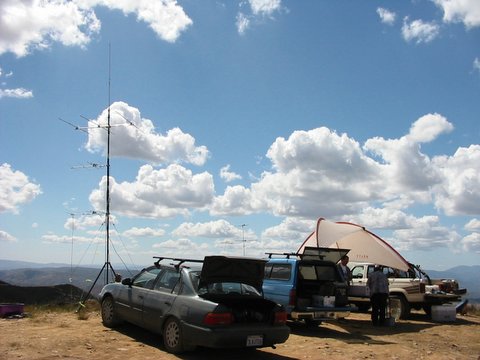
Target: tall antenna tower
107	264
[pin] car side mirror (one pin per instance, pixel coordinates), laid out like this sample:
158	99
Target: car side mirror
127	281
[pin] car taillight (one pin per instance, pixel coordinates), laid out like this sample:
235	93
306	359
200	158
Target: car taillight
280	318
213	319
292	298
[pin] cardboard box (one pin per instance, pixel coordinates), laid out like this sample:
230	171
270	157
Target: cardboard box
444	313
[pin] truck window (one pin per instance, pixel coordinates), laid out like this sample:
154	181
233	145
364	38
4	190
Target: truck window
278	271
357	272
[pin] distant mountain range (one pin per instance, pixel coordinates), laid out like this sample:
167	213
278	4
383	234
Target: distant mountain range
22	273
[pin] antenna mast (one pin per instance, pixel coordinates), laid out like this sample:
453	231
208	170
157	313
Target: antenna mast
107	214
107	265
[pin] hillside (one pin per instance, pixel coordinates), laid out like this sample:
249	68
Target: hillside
16	273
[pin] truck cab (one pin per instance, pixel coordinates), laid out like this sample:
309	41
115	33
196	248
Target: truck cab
308	285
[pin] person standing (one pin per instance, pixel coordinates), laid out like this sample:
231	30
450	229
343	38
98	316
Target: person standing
378	284
344	269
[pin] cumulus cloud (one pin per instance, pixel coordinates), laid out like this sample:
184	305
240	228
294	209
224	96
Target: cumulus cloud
473	225
471	242
157	193
165	17
84	221
465	11
135	137
419	31
459	191
219	229
17	189
228	175
143	232
6	237
424	233
186	247
259	10
26	25
19	93
386	16
33	24
476	64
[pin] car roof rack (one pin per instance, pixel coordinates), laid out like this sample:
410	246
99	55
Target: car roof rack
270	254
177	265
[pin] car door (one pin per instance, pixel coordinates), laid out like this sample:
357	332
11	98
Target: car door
159	300
130	301
359	287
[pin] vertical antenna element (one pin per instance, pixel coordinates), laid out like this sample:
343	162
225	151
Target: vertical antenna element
107	214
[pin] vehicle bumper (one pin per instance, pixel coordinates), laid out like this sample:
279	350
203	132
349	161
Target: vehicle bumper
322	314
234	336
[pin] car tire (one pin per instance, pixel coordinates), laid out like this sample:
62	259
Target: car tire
109	316
404	306
173	338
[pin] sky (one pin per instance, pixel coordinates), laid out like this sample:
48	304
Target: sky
235	125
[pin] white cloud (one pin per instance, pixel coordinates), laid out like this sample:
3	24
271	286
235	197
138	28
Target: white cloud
228	175
386	16
157	193
260	9
466	11
476	64
459	191
242	23
144	232
84	221
6	237
471	242
186	247
214	229
264	7
165	17
35	24
424	233
320	173
419	31
429	127
17	189
236	200
473	225
135	137
19	93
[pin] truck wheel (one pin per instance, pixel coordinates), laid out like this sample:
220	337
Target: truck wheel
404	306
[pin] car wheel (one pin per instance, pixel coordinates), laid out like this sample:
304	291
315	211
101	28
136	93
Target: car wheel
172	337
109	317
404	306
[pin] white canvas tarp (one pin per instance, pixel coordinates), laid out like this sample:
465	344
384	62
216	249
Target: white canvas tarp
364	246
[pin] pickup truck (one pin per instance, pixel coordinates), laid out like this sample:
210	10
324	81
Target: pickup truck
411	289
308	285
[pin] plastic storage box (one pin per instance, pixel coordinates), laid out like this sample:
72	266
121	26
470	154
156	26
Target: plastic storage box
444	313
11	309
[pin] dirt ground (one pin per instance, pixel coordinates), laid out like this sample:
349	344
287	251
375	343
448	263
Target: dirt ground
64	336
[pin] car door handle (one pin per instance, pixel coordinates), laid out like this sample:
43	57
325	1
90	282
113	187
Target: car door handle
140	297
167	303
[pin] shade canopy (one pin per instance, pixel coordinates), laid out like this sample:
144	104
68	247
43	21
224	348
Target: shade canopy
364	245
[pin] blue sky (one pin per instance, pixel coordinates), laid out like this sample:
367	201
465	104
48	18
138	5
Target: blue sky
236	125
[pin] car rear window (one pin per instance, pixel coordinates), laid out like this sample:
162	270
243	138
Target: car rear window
278	271
318	272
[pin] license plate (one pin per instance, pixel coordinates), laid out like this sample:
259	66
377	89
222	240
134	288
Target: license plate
254	340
